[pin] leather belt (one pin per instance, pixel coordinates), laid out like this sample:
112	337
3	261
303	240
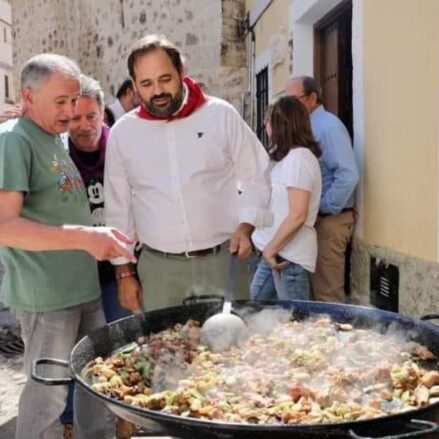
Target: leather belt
186	255
346	209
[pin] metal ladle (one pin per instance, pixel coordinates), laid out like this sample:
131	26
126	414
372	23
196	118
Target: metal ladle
223	330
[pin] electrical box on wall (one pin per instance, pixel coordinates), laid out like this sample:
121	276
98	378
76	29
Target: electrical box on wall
384	285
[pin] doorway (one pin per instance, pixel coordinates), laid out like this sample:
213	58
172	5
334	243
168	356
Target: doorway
333	61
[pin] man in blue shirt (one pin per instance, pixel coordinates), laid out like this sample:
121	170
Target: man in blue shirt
340	176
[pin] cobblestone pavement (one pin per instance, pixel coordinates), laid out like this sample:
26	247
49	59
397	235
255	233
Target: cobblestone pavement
12	380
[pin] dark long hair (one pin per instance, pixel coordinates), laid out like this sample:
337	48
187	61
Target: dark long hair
290	128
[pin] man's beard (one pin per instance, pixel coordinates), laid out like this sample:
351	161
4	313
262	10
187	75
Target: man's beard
173	105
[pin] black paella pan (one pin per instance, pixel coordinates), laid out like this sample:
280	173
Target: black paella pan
422	422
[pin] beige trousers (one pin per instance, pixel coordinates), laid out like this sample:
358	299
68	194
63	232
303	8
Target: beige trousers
333	235
166	281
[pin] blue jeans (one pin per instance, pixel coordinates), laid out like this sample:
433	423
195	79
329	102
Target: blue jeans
113	311
291	283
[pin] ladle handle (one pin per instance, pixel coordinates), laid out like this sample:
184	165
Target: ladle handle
231	283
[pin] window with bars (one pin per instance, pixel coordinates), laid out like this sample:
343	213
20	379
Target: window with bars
261	104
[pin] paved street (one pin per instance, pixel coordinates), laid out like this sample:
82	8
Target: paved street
11	378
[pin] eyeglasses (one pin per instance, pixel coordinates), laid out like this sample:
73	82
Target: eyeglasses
301	96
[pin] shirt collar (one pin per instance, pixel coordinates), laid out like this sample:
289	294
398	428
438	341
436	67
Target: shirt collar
185	99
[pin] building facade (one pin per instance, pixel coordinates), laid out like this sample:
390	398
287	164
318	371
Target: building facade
6	70
99	33
386	58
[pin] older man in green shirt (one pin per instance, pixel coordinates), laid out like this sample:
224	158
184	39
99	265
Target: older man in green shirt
49	244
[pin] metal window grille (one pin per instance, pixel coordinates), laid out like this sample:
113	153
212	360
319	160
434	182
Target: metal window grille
261	104
384	285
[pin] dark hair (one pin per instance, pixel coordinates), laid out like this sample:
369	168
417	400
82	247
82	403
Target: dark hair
125	86
108	116
310	85
290	128
153	42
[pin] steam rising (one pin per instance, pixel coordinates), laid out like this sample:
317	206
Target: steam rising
336	364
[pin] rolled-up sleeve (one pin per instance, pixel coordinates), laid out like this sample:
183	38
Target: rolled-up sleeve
252	172
118	193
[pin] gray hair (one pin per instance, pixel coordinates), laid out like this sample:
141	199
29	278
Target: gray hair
37	69
309	86
91	88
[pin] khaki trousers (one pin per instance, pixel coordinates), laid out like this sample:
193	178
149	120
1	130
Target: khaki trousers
333	235
166	281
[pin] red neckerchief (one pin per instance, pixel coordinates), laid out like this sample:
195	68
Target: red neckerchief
195	100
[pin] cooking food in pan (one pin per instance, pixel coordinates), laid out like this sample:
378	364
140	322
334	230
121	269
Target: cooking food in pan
297	372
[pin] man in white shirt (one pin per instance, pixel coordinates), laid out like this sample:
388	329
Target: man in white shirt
126	99
173	171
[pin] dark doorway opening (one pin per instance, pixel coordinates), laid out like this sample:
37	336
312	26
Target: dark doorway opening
333	61
333	71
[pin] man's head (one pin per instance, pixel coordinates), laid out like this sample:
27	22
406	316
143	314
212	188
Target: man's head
86	126
50	89
306	90
156	66
127	95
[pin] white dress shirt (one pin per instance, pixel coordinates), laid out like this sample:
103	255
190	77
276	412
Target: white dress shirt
175	184
117	109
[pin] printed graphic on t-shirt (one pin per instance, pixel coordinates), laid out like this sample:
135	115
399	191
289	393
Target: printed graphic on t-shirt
95	193
68	177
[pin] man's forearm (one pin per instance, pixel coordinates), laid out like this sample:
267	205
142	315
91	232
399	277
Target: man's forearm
30	235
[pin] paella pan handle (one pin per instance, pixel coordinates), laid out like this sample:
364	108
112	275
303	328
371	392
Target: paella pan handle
430	317
203	298
424	428
49	381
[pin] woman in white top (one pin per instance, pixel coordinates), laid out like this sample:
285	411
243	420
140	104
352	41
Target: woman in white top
289	245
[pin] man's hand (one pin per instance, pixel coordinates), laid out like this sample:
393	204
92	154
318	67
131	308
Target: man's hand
129	293
107	243
240	242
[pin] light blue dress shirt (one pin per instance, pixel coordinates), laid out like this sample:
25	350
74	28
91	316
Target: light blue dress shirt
337	162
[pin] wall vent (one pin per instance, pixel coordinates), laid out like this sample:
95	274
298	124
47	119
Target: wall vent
384	285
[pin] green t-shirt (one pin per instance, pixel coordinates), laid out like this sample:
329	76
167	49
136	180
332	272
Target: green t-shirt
37	164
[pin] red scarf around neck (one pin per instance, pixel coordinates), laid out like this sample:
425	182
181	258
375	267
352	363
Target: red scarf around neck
195	100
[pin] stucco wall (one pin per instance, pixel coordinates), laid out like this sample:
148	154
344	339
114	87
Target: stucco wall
401	60
99	33
274	23
418	278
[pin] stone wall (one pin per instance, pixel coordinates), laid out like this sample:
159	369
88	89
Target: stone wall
99	33
418	278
